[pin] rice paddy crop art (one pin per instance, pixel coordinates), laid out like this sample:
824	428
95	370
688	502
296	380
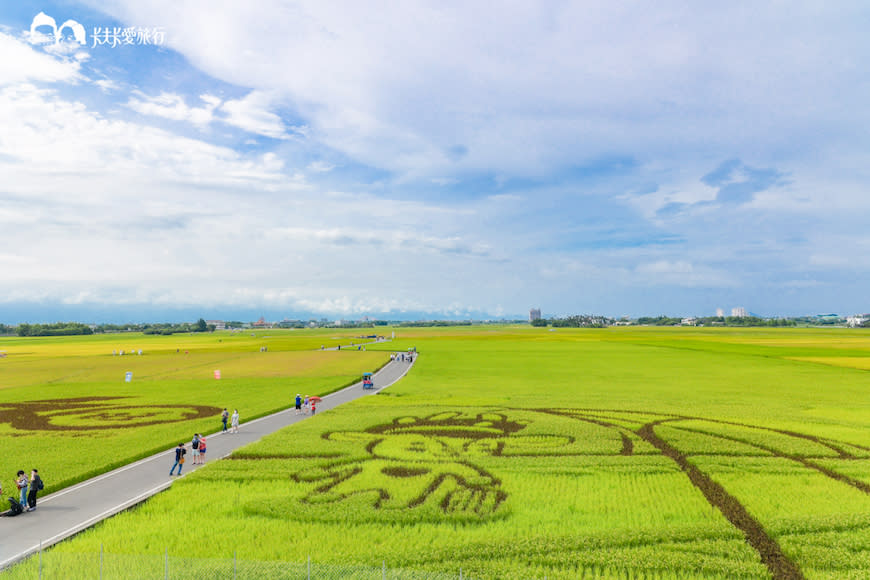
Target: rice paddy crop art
483	466
418	467
517	453
680	438
76	408
95	413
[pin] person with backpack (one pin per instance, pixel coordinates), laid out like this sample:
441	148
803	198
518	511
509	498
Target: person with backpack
22	484
180	452
194	445
36	486
225	415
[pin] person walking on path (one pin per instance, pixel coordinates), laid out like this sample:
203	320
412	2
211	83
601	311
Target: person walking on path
21	482
313	407
194	446
225	415
201	450
180	452
235	421
305	405
298	403
36	486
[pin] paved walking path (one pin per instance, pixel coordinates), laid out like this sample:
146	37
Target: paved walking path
78	507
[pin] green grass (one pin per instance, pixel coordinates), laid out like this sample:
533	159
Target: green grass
173	393
524	453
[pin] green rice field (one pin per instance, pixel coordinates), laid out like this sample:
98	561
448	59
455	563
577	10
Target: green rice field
518	452
66	408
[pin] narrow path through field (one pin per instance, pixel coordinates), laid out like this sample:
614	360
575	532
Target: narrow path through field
76	508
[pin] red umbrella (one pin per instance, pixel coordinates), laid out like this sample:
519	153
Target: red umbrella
314	399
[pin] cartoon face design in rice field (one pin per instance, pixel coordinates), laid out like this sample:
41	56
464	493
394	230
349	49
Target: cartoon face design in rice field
421	468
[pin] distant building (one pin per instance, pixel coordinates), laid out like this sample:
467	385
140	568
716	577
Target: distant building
689	321
857	320
739	312
534	314
720	313
218	324
262	323
831	318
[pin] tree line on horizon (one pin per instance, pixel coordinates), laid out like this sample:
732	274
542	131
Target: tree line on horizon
573	321
78	328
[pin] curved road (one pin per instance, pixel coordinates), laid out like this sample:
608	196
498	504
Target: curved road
78	507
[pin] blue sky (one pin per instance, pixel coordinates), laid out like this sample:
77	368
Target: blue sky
433	158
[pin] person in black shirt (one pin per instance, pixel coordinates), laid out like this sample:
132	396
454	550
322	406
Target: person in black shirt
35	486
180	452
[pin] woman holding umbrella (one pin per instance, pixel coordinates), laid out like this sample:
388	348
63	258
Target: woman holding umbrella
314	400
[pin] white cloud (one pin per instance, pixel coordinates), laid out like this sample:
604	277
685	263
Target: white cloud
173	107
46	137
348	305
395	241
116	212
687	191
506	198
517	111
67	50
664	267
320	167
803	284
681	273
252	114
107	85
531	87
21	63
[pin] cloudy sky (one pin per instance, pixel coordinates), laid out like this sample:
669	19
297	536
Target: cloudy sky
337	159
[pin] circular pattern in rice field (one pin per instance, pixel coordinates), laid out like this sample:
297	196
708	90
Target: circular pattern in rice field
95	413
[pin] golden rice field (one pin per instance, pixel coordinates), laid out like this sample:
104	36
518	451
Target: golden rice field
70	394
523	453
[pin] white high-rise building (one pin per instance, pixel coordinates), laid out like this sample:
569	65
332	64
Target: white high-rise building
720	313
534	314
738	312
857	320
